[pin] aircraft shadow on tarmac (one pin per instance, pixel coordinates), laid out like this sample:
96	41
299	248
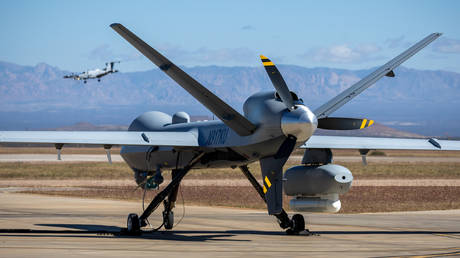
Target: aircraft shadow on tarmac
91	231
98	231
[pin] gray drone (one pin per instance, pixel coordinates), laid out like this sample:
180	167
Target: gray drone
273	125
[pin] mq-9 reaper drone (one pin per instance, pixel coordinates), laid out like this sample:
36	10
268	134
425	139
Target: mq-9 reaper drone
273	125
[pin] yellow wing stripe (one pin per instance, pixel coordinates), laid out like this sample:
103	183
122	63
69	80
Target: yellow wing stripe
363	124
265	189
263	57
269	184
370	123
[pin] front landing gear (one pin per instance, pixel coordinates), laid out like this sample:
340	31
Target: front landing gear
293	226
298	225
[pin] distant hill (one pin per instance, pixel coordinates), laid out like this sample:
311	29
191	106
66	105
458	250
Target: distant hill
85	126
419	101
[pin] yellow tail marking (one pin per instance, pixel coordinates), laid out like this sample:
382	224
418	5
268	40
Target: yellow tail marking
370	123
265	189
363	123
268	63
268	182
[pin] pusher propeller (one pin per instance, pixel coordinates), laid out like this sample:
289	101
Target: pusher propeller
342	123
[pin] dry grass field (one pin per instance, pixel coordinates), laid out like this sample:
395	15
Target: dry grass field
120	170
361	198
51	150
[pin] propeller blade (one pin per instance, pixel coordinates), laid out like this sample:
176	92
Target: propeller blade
342	123
286	147
278	81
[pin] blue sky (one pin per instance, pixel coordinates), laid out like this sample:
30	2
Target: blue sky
75	35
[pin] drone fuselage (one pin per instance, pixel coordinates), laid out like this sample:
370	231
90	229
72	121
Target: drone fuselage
223	146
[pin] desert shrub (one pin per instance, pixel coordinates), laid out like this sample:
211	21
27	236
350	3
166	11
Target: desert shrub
377	153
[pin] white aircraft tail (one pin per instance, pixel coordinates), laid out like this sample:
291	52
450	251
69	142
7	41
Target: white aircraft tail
109	66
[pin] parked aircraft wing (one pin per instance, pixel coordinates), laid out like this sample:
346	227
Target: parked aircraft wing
226	113
387	69
374	143
101	138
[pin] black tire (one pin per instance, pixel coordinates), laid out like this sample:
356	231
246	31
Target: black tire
133	225
291	232
298	222
168	219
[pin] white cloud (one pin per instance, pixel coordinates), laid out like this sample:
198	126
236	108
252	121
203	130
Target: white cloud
400	123
180	56
447	45
105	53
343	53
206	56
367	49
396	42
102	52
248	27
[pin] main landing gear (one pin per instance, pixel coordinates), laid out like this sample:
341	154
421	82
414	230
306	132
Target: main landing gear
134	222
133	225
293	226
168	196
168	214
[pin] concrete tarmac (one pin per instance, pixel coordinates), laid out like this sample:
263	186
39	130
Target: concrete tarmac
39	226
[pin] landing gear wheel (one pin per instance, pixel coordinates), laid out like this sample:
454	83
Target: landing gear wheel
298	225
168	219
133	224
291	232
298	222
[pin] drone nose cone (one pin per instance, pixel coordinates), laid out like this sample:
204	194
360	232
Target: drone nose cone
300	122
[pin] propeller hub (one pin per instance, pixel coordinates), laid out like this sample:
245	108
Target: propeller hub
300	122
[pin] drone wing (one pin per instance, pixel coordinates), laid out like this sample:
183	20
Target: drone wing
385	70
222	110
375	143
183	139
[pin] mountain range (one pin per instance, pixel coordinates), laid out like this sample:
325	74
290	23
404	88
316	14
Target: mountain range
34	97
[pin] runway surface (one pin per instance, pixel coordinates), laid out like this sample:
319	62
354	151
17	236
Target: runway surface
32	225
